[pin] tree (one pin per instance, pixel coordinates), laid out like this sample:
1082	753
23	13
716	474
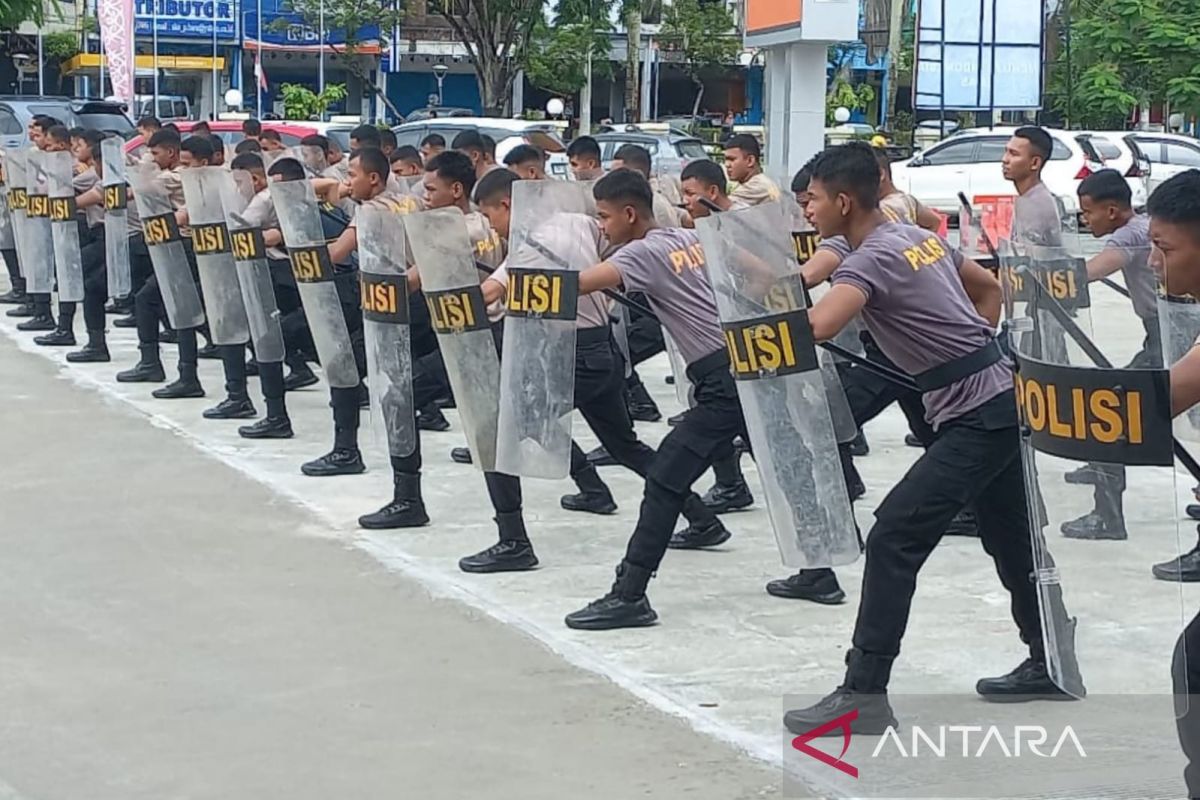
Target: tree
704	33
349	17
633	14
300	102
497	34
557	57
14	12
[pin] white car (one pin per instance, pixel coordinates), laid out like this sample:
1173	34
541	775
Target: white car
508	133
969	162
1168	153
1117	153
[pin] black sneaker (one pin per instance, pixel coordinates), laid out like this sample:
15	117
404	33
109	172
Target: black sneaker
179	390
209	351
268	428
721	499
1184	568
251	367
13	297
298	379
1094	526
400	513
231	408
859	446
611	612
125	322
89	354
431	418
874	714
167	337
591	502
693	538
601	458
911	440
24	310
678	418
818	585
41	322
143	372
1027	682
1193	511
461	455
58	338
506	556
644	412
339	461
1087	474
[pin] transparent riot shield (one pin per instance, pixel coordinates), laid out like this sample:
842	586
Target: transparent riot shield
1093	438
202	188
683	385
180	295
253	271
760	300
116	217
553	237
300	222
442	251
16	166
382	257
39	240
64	227
7	241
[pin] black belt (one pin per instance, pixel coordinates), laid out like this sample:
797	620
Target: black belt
701	368
594	335
954	371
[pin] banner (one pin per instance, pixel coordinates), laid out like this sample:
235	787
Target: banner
187	18
116	35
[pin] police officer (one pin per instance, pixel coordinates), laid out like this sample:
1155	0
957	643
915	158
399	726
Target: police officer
1037	213
743	163
37	306
583	154
936	321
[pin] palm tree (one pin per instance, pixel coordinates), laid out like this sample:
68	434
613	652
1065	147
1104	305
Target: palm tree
633	14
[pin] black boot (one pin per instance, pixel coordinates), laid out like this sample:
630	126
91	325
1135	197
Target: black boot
625	605
168	336
594	496
694	537
1107	521
864	690
210	351
407	509
231	408
339	461
431	418
13	296
26	309
268	428
1184	568
252	367
601	458
460	455
188	385
1086	474
513	553
299	378
859	446
640	404
95	351
129	321
57	338
722	499
41	322
818	585
1029	681
149	368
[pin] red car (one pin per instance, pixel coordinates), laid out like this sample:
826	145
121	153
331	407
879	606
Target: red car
230	132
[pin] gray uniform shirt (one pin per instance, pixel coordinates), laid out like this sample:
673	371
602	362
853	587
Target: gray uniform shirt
81	182
261	214
1132	242
1037	218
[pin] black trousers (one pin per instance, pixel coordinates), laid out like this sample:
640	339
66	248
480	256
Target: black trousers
233	360
599	377
345	402
14	268
974	459
1185	677
95	281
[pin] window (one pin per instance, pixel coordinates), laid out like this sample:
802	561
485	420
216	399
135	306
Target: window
1107	150
690	149
410	137
447	132
1152	149
9	126
991	151
956	153
1060	152
1182	155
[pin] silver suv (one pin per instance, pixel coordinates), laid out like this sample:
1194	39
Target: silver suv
17	110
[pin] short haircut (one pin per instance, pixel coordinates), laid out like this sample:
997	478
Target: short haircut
746	143
171	126
217	142
1177	201
386	138
247	146
1037	137
453	166
408	154
252	127
59	133
270	135
524	154
489	144
634	156
45	121
1107	186
850	169
469	140
287	168
803	176
77	132
150	122
584	147
627	187
367	135
93	139
165	137
198	146
372	159
882	159
434	140
250	162
706	171
200	127
316	140
494	185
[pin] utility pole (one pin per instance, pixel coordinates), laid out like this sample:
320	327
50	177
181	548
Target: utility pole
895	37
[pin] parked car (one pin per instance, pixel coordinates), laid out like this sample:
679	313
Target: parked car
1123	156
230	131
969	162
437	112
1168	154
670	149
508	133
17	110
170	107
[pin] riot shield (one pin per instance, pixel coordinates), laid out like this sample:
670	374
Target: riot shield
214	257
116	217
441	249
39	241
6	231
382	257
1091	436
760	300
167	252
552	238
16	200
300	222
253	271
683	384
64	227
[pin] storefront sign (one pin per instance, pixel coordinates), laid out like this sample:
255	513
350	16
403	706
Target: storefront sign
187	18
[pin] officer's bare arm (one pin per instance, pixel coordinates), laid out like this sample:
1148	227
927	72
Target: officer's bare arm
325	188
834	311
818	268
1185	382
1105	263
344	245
984	290
181	216
493	290
599	277
92	197
414	279
928	219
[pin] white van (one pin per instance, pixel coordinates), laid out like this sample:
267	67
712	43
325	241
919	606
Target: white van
508	133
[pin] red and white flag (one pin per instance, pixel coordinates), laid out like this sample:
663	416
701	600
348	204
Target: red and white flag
260	74
116	34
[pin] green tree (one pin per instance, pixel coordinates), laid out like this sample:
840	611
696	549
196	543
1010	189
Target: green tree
14	12
348	18
300	102
557	58
497	34
704	33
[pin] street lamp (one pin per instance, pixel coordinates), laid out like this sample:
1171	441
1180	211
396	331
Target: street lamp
439	72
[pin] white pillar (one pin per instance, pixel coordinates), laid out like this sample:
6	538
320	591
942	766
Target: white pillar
775	100
518	94
805	108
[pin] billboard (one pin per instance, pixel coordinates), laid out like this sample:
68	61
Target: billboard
969	60
187	19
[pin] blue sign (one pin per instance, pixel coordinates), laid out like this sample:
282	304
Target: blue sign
287	29
971	61
190	19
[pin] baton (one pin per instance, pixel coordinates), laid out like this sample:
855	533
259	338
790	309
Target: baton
1116	287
